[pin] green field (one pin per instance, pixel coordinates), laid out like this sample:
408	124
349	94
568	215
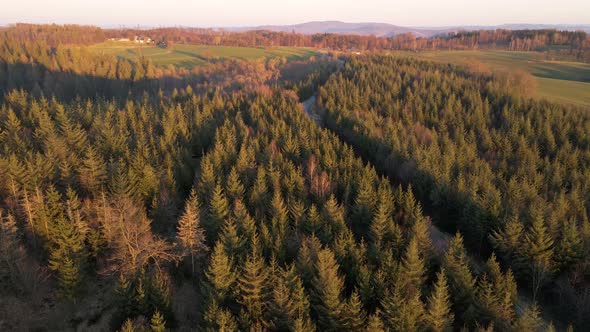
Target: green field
189	56
557	81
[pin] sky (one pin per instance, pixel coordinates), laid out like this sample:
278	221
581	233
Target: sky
233	13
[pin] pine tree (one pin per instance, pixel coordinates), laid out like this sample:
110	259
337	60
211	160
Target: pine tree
68	278
159	294
218	212
354	313
363	205
412	209
509	240
252	283
127	326
157	322
498	290
334	215
303	325
11	252
570	247
412	269
529	320
207	179
234	186
403	312
297	212
538	245
374	323
461	281
281	307
218	319
289	305
421	232
259	193
93	171
190	235
438	312
231	239
328	286
221	275
378	228
66	257
246	224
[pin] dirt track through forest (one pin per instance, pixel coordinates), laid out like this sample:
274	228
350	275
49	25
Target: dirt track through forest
439	238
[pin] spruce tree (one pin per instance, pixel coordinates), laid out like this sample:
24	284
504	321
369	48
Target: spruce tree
529	320
93	171
190	235
378	228
438	313
218	212
218	319
66	257
334	215
354	313
68	278
259	193
127	326
231	238
570	247
234	187
508	241
412	268
289	302
157	322
328	285
10	249
207	180
461	281
403	311
252	287
538	246
220	274
246	224
374	323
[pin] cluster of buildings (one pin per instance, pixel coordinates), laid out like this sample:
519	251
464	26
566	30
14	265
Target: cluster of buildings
136	39
143	40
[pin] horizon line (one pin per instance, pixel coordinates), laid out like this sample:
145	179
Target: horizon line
131	26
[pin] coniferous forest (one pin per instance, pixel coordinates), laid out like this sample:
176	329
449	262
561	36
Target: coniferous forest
373	192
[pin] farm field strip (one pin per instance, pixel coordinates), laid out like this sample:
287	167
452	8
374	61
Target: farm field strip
196	55
561	81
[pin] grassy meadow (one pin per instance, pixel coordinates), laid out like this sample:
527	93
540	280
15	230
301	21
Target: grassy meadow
556	80
559	81
189	56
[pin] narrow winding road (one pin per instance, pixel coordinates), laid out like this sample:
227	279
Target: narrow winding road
439	238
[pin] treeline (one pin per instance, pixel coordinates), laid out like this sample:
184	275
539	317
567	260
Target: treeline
53	34
511	173
573	45
67	72
556	44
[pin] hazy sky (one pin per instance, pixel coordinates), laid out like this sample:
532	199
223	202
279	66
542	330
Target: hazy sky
258	12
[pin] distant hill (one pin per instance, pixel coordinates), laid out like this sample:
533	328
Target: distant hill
376	29
388	30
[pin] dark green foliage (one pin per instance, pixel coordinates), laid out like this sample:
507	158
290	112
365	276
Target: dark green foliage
218	212
146	295
507	171
438	312
157	322
286	228
327	303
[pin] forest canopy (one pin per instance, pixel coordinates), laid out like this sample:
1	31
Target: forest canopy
368	192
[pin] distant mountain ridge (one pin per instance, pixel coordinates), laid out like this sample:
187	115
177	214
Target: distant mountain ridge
388	30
